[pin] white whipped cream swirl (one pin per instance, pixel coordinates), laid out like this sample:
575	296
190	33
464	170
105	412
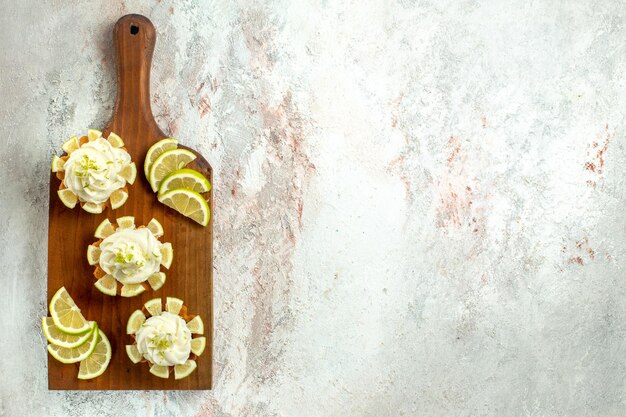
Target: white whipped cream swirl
131	255
164	340
92	171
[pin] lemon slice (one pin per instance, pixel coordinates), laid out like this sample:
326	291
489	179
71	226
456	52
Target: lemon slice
156	280
129	173
195	325
118	198
173	305
93	254
93	134
160	371
135	321
133	353
167	162
107	285
77	354
126	222
131	290
154	306
155	227
71	145
104	230
68	198
184	370
167	255
188	203
93	208
156	150
197	345
115	140
58	164
98	361
66	315
57	337
185	178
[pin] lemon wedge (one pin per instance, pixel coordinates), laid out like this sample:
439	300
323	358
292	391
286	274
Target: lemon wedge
135	321
173	304
184	370
107	285
93	134
155	227
68	198
133	353
188	203
104	230
118	198
195	325
156	280
198	345
115	140
154	306
57	337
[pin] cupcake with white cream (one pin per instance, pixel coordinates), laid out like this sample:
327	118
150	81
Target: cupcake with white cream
168	340
128	260
94	172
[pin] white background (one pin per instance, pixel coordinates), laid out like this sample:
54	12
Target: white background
419	205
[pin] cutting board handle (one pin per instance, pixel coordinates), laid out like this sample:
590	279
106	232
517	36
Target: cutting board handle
135	38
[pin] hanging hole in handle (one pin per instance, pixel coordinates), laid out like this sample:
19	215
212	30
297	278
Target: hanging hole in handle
134	29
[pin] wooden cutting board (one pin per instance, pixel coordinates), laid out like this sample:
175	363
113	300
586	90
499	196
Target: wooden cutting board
70	231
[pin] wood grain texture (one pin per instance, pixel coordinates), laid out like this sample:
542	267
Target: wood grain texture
70	231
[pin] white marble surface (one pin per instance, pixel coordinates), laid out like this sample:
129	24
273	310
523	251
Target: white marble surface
419	204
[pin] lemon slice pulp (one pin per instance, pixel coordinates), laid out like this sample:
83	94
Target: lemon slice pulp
66	315
167	162
93	134
98	361
93	208
58	164
129	173
167	254
93	254
184	370
70	145
126	222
